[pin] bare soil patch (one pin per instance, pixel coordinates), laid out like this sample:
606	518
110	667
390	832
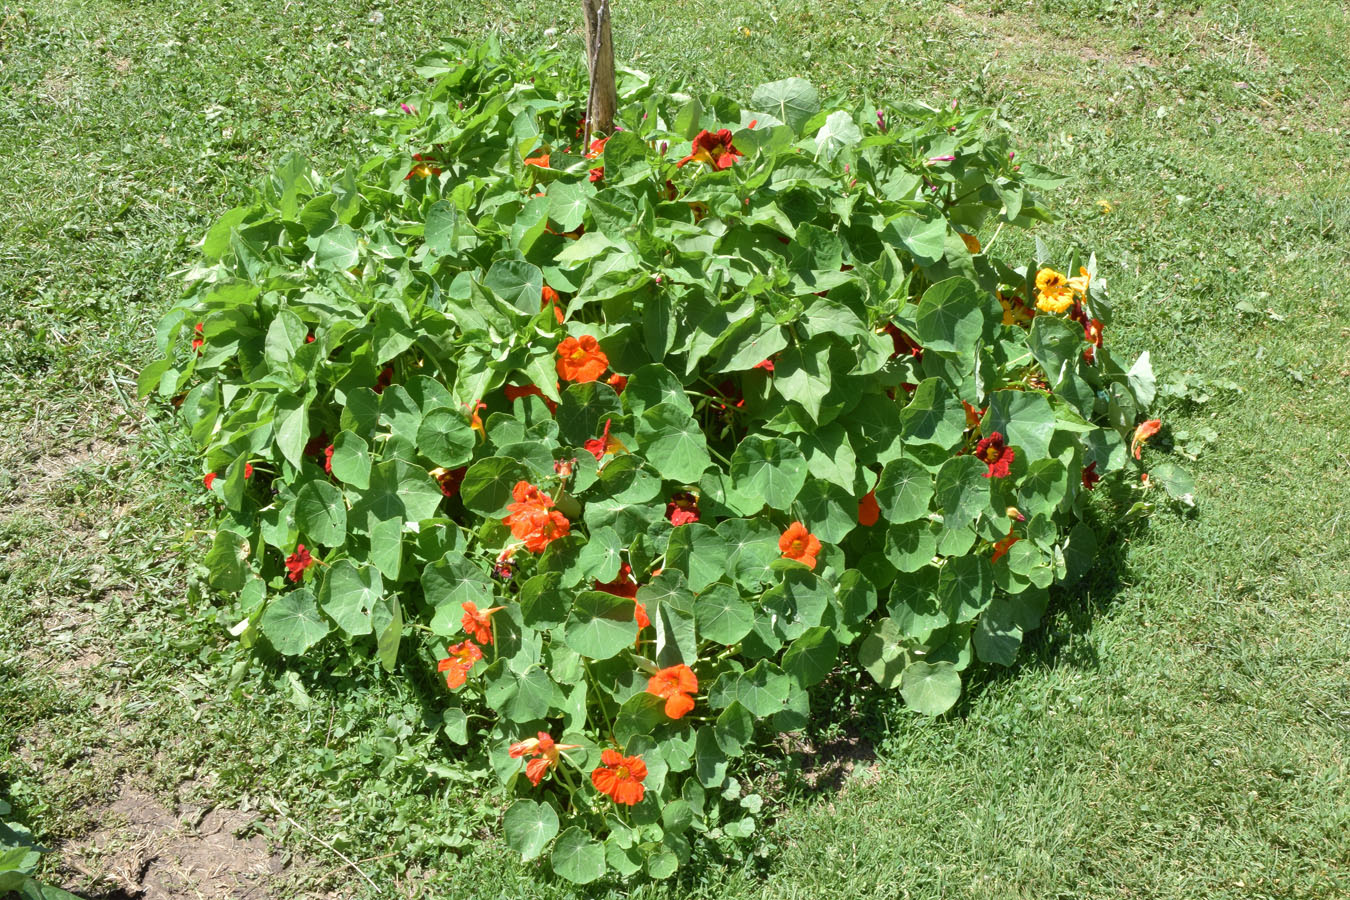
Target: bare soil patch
150	852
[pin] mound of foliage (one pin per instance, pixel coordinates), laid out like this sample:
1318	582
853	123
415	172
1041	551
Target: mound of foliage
641	437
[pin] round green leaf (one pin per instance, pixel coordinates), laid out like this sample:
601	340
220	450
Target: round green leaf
792	101
904	491
445	438
351	460
529	826
487	485
601	625
721	615
882	654
910	546
829	511
349	594
950	317
674	443
321	514
965	587
962	490
931	689
763	690
227	562
662	863
812	656
292	622
772	468
578	858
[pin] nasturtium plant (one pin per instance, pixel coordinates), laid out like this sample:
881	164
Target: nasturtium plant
650	434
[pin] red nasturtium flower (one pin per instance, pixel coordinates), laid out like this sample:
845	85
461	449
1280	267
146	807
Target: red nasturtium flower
604	444
765	364
713	148
422	168
209	479
198	341
682	508
383	380
902	343
477	623
640	615
623	584
676	685
799	544
449	480
298	562
620	777
328	459
618	382
995	453
544	751
1145	431
456	666
1002	547
581	359
1090	476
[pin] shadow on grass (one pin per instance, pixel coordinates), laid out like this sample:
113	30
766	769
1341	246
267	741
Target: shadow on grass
852	714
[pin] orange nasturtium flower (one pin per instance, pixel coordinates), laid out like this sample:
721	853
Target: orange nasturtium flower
868	509
1145	431
972	243
545	752
541	160
799	544
620	777
531	520
1002	547
550	297
1053	293
677	686
456	666
581	359
713	148
477	623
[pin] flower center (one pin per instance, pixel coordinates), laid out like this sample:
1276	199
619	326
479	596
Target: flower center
622	773
578	355
798	547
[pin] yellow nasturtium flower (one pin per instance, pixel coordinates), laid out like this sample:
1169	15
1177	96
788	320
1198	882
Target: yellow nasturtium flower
1053	293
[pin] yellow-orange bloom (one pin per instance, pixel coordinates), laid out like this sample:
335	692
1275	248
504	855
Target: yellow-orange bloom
676	685
581	359
1053	294
1145	431
799	544
620	777
477	623
545	752
1079	284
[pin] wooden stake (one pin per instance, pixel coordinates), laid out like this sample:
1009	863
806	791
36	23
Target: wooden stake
603	97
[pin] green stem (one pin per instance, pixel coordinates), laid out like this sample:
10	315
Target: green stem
590	683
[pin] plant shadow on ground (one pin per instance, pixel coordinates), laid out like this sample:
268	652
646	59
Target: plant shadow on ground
859	714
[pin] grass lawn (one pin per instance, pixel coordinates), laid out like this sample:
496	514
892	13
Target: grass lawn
1180	728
